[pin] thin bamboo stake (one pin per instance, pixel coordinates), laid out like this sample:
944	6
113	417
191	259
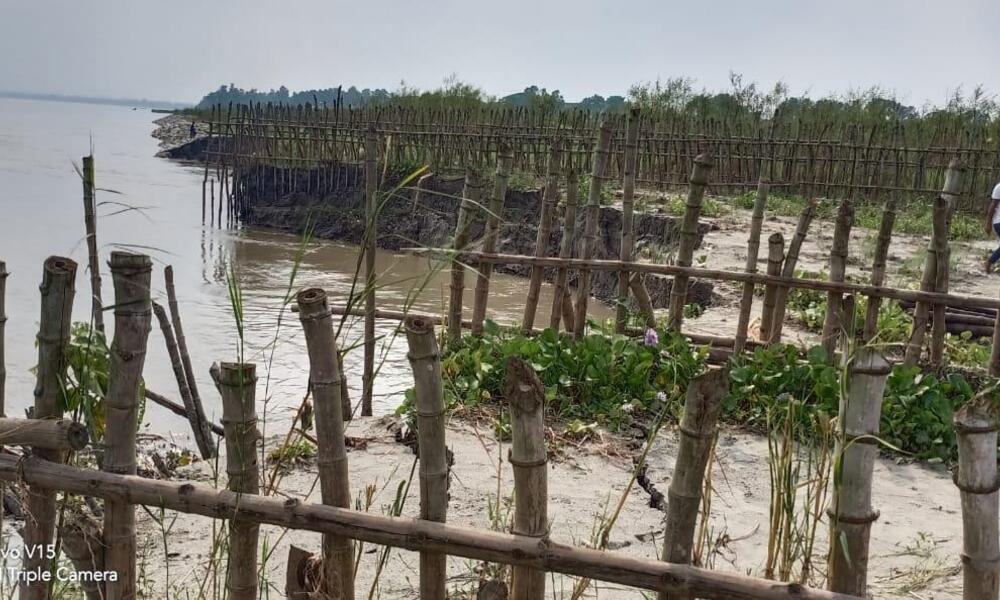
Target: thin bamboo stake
775	257
597	176
698	428
471	194
3	328
561	293
753	249
851	512
425	361
628	230
90	223
833	322
50	434
529	457
237	385
978	482
131	276
178	409
994	366
199	422
371	231
689	238
549	198
493	220
334	475
57	289
411	534
788	269
879	265
642	300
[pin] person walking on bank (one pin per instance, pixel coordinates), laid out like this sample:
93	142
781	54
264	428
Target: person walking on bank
993	225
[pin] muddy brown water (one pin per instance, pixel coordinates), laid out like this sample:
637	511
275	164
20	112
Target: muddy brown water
41	214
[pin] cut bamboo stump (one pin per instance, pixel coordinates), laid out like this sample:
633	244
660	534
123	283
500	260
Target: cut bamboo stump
371	231
753	250
61	435
471	194
131	274
238	384
325	377
627	248
497	200
57	290
978	482
851	512
833	323
549	198
697	428
788	269
689	238
560	293
90	224
882	242
529	457
425	361
775	256
593	208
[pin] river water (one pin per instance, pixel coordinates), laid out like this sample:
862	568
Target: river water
41	214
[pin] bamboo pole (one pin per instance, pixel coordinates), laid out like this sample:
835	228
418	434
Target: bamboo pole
471	194
90	223
642	300
561	293
702	404
879	265
753	249
3	328
549	198
529	457
978	482
325	378
775	257
371	231
410	534
851	512
130	274
833	323
178	409
425	361
237	385
597	175
493	220
689	238
58	289
199	422
788	269
993	368
61	435
628	230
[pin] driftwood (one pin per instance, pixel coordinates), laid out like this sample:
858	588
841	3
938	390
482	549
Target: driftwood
497	200
593	208
371	232
560	293
978	482
689	238
753	250
775	256
549	198
788	269
628	230
61	435
410	534
90	224
57	290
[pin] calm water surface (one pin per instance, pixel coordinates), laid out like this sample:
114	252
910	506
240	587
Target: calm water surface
41	214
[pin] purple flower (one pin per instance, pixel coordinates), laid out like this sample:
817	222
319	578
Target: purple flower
651	339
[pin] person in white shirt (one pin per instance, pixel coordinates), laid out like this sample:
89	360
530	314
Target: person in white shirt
993	225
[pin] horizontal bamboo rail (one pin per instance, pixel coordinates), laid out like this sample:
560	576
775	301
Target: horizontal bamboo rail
51	434
410	534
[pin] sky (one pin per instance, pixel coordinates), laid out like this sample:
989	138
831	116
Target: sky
181	49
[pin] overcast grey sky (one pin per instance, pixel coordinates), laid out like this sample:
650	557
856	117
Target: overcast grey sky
180	49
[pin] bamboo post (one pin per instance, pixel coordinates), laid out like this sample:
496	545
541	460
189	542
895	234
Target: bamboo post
978	482
642	300
851	512
788	269
689	238
833	322
628	230
493	220
698	428
425	361
600	163
58	289
529	457
549	198
199	421
753	249
90	223
325	378
561	294
471	194
237	385
371	231
775	256
131	275
879	265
